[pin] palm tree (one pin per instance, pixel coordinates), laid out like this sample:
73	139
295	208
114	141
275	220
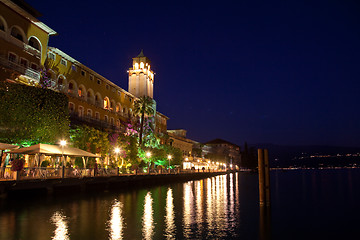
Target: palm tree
144	106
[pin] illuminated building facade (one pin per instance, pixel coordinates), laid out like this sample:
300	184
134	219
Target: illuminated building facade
222	150
93	99
23	42
177	138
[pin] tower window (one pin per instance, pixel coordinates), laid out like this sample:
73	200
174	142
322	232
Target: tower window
141	65
136	66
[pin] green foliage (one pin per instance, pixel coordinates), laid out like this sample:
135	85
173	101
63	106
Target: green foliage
90	139
144	106
32	115
45	163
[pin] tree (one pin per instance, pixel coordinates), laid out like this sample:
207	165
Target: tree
144	107
31	115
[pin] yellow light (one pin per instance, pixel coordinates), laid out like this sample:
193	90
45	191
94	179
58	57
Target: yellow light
62	142
186	159
117	150
148	154
169	157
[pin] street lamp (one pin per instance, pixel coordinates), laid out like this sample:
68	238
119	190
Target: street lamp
62	144
117	150
169	158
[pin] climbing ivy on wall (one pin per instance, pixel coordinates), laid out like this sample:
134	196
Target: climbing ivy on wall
30	115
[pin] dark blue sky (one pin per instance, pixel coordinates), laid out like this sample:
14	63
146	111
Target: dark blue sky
282	72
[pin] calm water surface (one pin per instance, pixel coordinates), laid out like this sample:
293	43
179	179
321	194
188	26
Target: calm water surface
306	204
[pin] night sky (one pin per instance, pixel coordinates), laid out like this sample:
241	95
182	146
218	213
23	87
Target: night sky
281	72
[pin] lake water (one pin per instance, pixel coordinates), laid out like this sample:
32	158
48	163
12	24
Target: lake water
306	204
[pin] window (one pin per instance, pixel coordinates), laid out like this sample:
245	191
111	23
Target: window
15	32
91	77
118	123
73	67
33	42
24	62
106	103
112	121
98	81
63	62
89	113
83	73
80	91
2	25
52	56
97	115
106	118
34	66
118	108
71	107
12	57
81	111
130	99
61	80
107	86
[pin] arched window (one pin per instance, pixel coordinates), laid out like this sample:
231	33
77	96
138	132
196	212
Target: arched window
80	92
106	118
118	123
2	24
89	113
106	103
71	86
16	33
61	80
118	107
33	42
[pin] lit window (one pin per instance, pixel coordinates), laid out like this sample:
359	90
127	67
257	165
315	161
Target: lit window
141	65
80	92
106	103
136	66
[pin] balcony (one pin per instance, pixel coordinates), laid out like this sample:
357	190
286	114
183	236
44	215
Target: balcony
75	118
24	46
27	72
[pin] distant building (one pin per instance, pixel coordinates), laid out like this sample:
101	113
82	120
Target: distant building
177	138
223	151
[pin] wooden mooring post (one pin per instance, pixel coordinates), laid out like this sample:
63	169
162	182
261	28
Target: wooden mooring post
264	177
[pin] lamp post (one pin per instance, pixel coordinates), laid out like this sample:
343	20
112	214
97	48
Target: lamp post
169	158
148	155
62	144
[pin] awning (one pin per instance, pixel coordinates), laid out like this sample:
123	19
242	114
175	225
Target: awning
5	146
48	149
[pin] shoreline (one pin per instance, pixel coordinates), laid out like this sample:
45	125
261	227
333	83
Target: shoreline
100	183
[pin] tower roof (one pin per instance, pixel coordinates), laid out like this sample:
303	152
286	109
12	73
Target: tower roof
141	54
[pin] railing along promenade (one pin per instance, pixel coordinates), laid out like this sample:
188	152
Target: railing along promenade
31	173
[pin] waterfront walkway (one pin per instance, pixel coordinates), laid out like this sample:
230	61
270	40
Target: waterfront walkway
75	180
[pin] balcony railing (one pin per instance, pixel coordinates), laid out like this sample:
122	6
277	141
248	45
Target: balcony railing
96	122
28	72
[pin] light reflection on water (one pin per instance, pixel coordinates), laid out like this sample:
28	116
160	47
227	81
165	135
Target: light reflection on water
148	220
61	231
170	230
116	221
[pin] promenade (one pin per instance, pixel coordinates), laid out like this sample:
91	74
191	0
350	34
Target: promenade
50	180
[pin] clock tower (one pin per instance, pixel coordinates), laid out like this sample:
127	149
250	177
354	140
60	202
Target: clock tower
141	77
